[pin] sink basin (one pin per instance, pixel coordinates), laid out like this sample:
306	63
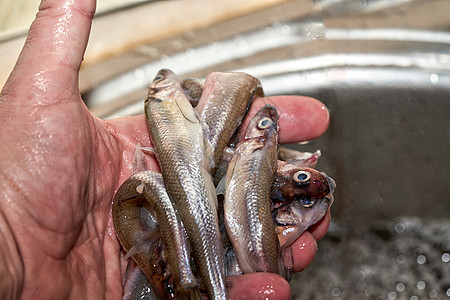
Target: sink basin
384	75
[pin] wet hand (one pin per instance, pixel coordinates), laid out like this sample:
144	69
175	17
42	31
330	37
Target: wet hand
60	166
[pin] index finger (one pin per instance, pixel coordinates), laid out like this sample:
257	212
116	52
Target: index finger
301	118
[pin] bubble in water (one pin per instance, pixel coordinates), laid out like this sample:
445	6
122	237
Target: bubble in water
336	292
399	227
421	285
401	259
434	78
433	294
421	259
400	287
392	296
445	257
366	272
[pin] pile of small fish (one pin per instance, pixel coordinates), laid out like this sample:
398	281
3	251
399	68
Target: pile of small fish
228	200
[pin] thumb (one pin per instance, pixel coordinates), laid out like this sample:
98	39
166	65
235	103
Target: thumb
47	68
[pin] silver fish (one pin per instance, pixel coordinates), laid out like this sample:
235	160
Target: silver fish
138	231
177	137
248	181
224	102
176	247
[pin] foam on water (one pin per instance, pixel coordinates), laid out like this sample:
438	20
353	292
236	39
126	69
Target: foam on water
407	258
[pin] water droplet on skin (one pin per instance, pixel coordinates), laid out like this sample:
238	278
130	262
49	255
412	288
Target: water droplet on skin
400	287
445	257
433	294
448	292
392	296
336	292
421	285
421	259
266	291
414	298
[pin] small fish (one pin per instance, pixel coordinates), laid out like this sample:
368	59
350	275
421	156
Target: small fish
300	197
193	88
248	181
177	137
224	102
138	231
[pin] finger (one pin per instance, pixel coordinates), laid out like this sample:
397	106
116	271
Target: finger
319	229
303	250
258	286
301	118
49	62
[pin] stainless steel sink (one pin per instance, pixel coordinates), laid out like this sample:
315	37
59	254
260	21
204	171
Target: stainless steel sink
384	74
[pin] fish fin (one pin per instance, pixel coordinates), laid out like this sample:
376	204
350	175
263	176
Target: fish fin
139	159
220	189
287	264
186	109
145	244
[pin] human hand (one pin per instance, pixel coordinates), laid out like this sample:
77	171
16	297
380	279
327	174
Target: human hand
60	166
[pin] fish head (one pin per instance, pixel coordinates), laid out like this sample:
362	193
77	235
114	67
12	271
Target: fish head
163	84
263	124
301	196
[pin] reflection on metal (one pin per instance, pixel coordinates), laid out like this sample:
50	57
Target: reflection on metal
274	53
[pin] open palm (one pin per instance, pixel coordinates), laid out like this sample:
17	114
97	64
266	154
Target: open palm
60	167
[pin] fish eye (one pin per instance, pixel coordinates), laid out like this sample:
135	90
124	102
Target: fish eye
265	123
158	78
302	176
307	202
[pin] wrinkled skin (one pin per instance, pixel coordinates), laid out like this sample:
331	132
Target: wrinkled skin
60	167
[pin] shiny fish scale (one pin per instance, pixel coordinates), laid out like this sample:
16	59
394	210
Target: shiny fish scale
178	141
